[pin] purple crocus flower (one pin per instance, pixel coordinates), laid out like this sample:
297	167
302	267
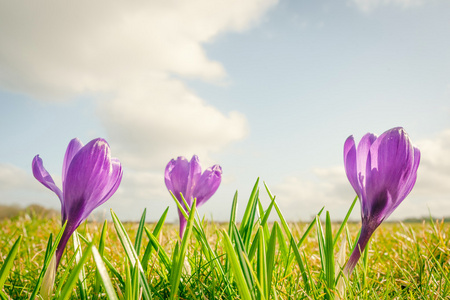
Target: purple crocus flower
90	176
185	177
382	172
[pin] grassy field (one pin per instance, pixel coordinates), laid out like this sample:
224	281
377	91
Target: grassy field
252	260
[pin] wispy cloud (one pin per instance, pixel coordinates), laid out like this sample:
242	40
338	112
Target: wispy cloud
370	5
131	58
131	55
434	174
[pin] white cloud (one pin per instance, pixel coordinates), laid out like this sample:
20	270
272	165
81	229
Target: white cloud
434	171
57	49
132	56
163	119
370	5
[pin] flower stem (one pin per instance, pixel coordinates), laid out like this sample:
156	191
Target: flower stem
364	237
70	228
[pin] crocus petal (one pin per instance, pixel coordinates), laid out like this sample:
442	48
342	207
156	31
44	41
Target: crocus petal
90	178
74	146
413	175
363	164
114	180
167	174
208	184
195	172
41	174
112	183
408	184
392	159
362	156
176	176
350	163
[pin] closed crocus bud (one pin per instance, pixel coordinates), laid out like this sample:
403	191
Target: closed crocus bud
382	171
186	178
90	176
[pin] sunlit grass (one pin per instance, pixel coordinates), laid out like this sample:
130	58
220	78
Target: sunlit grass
404	261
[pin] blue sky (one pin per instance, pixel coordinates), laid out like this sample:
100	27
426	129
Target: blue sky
265	88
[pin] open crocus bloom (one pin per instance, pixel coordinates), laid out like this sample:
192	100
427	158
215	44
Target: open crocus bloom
185	177
90	176
382	171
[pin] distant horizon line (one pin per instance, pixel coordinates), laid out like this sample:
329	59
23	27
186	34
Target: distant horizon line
14	210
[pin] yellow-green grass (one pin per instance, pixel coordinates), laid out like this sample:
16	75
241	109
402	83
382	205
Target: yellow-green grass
405	261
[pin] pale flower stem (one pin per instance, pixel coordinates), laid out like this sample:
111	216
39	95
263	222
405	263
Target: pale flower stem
49	280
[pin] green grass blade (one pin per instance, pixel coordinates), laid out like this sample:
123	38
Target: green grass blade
179	205
128	288
233	213
175	256
131	254
264	215
254	246
64	276
103	273
438	264
114	271
283	244
9	262
344	222
160	223
211	256
135	282
246	227
178	266
270	257
242	255
299	260
163	257
249	207
267	212
48	256
365	264
329	255
140	231
258	286
101	249
156	231
236	267
78	254
321	242
3	296
101	243
262	264
293	245
73	278
311	225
